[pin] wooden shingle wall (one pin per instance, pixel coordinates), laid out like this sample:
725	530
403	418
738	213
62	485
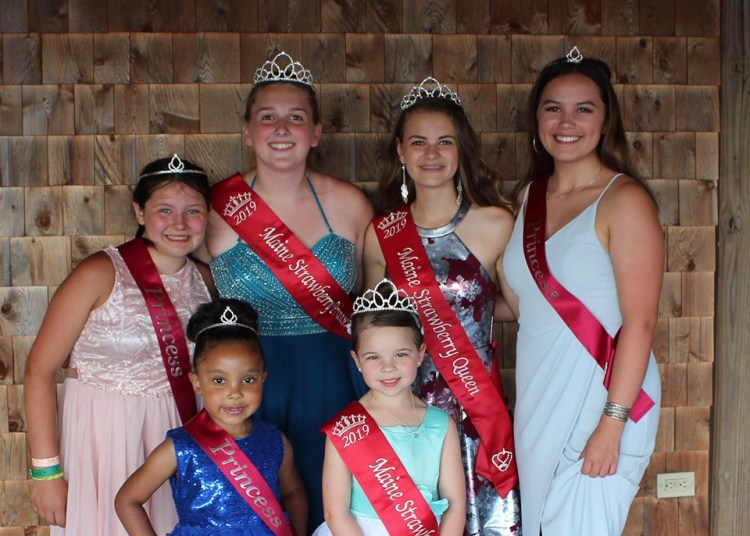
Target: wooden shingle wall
90	91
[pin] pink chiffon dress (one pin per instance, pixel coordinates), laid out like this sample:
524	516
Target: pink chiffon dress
120	405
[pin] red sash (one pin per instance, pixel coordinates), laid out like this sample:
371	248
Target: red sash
373	462
451	349
169	333
239	471
584	325
293	264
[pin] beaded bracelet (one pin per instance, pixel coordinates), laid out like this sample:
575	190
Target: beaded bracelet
616	411
47	471
51	477
45	462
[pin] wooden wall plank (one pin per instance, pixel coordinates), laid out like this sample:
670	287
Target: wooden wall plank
138	16
226	15
174	108
707	156
131	109
151	58
385	16
674	155
44	211
206	57
691	249
620	17
114	160
575	17
670	302
511	107
222	108
22	310
342	16
493	56
365	57
48	110
473	17
602	47
455	58
664	440
673	385
480	104
692	340
6	377
430	16
642	152
12	209
698	18
15	509
697	293
87	16
634	60
700	377
118	206
48	16
27	162
692	427
345	108
670	60
14	17
666	192
648	107
499	150
71	160
370	152
4	262
94	109
83	210
11	112
22	59
408	58
67	58
697	108
325	56
149	148
656	17
531	54
219	154
698	203
704	60
519	17
112	58
334	157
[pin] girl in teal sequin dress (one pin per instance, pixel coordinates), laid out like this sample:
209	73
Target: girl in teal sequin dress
229	373
310	375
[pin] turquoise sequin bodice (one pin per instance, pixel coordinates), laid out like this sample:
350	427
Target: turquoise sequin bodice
240	273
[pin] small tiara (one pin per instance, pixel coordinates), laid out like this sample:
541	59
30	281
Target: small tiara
294	72
228	320
420	92
574	56
175	166
398	300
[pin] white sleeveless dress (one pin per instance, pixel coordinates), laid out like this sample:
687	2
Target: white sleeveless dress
560	392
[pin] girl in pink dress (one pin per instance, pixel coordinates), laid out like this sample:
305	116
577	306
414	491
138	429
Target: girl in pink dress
116	402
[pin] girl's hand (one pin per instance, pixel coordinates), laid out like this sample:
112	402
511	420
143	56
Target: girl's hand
602	450
48	499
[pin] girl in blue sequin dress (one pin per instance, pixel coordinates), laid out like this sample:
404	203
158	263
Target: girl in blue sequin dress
228	372
310	374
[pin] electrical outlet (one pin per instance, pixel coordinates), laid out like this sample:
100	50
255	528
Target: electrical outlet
675	485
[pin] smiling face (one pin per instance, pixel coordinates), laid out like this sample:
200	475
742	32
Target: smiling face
174	220
280	126
230	379
388	358
571	116
429	149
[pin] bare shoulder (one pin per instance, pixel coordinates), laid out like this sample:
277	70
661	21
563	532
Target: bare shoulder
625	196
491	221
343	197
90	282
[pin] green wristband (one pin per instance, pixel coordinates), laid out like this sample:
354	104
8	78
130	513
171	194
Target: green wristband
46	471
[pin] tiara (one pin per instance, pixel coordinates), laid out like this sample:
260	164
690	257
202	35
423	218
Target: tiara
175	166
294	72
574	56
228	319
396	300
420	92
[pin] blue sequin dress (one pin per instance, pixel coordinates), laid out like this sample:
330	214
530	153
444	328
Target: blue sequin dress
310	374
206	502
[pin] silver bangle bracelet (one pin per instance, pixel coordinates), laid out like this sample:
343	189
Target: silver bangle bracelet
616	411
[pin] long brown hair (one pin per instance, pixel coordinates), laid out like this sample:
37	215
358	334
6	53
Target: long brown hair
613	148
481	183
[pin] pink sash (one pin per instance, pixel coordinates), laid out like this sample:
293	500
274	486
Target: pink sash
239	471
293	264
372	461
451	349
169	333
584	325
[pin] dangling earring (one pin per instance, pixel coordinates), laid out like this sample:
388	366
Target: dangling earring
460	189
533	144
404	189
